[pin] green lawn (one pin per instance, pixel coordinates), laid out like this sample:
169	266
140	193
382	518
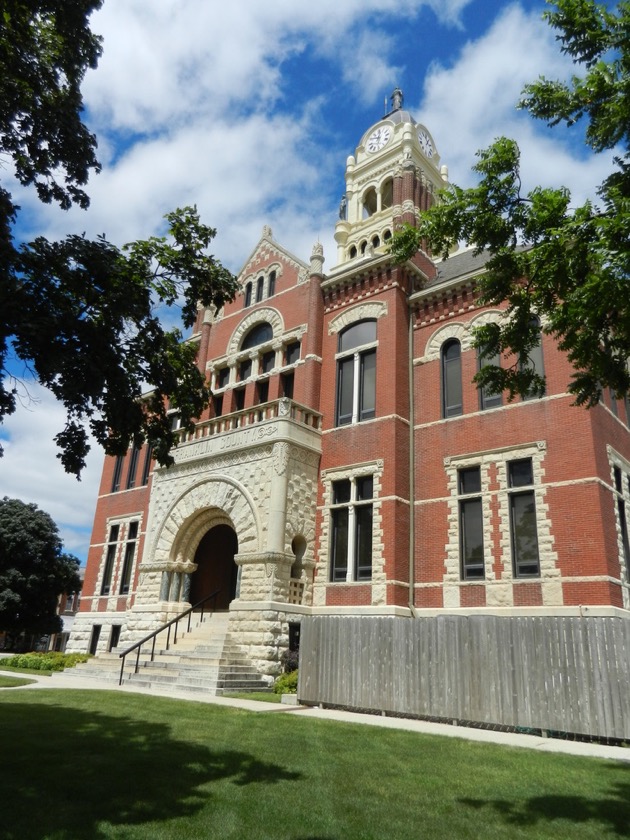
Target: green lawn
13	682
83	765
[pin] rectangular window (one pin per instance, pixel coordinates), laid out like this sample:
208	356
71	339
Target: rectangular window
471	524
222	377
217	404
245	370
130	550
534	361
351	530
117	473
292	353
110	559
286	382
613	402
487	398
523	527
146	470
262	391
621	512
268	362
239	399
345	390
133	467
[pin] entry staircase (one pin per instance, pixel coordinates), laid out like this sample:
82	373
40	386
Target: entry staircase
202	659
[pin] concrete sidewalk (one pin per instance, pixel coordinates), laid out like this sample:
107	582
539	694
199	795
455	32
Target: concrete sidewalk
67	681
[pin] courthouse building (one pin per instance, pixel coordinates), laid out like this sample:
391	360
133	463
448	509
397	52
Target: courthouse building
348	464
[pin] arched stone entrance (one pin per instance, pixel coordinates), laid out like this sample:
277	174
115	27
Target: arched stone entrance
216	569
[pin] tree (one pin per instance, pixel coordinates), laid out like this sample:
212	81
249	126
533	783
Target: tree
34	570
82	315
570	266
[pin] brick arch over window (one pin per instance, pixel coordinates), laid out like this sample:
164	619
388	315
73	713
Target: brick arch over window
265	313
360	312
216	501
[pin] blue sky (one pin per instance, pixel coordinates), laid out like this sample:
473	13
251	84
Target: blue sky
249	110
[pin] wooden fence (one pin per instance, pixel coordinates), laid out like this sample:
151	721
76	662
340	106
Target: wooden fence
551	673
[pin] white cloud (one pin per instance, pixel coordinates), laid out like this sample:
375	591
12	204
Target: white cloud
470	103
217	107
31	472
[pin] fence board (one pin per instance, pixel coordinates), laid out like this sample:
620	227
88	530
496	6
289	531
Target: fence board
555	673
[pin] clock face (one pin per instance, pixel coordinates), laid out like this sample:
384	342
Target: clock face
378	138
426	144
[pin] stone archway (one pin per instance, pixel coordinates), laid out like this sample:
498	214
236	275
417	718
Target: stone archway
216	569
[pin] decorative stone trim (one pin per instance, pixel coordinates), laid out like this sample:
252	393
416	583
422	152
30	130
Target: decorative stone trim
499	590
464	332
266	313
360	312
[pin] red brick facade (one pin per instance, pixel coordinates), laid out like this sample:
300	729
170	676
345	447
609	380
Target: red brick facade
544	460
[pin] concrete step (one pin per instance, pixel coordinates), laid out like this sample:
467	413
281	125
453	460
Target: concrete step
202	659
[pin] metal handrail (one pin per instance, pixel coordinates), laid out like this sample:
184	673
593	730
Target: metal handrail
174	621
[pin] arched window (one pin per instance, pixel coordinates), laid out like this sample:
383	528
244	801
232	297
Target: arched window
356	373
534	360
387	194
248	294
387	235
353	252
488	398
375	241
257	335
369	203
451	360
271	288
260	285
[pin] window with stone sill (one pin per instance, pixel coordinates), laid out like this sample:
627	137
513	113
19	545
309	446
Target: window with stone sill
451	370
129	556
116	478
292	353
523	526
620	502
133	467
470	524
470	542
110	559
356	373
351	516
222	377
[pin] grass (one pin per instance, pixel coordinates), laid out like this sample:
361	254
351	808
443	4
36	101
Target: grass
13	682
86	765
261	696
24	670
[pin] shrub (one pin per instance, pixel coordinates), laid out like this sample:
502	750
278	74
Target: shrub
286	683
290	660
49	661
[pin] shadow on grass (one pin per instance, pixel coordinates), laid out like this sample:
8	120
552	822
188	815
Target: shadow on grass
611	811
65	771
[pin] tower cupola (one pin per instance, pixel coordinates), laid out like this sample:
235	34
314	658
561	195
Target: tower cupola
392	176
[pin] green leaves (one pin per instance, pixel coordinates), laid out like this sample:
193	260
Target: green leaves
34	570
570	266
86	318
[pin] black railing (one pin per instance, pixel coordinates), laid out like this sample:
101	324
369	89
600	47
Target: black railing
173	623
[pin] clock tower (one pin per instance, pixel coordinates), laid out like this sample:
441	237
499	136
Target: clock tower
393	174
